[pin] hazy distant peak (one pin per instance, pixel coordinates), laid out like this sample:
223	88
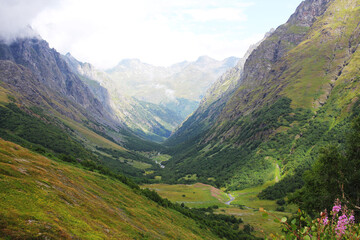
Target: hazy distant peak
204	59
130	61
231	61
180	64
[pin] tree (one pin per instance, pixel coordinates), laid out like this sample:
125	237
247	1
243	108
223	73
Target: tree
334	175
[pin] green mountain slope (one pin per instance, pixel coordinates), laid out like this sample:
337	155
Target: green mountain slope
45	199
296	95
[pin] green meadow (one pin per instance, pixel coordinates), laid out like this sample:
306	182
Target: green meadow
194	196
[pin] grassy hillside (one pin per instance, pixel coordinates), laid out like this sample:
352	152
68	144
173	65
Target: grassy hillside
48	199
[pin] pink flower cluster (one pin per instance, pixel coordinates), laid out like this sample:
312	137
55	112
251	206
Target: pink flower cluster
343	221
341	224
336	208
325	221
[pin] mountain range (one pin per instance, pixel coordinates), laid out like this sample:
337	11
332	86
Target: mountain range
152	101
258	122
163	85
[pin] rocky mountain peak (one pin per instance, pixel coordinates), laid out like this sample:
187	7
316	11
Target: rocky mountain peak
307	12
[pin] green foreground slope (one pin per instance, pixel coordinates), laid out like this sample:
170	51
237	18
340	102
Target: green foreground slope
41	198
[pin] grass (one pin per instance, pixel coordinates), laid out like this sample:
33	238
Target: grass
3	95
190	177
42	198
262	226
161	158
196	195
248	197
94	138
250	205
201	195
138	164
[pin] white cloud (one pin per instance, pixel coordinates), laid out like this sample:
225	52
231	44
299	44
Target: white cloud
224	14
170	94
157	31
17	15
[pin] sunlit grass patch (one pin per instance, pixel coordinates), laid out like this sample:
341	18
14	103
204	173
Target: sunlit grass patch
196	195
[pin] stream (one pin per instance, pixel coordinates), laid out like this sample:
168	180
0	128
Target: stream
231	199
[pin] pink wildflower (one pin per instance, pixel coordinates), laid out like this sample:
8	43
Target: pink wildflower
336	208
325	221
341	225
351	219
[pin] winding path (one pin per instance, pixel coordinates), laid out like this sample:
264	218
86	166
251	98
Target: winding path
231	199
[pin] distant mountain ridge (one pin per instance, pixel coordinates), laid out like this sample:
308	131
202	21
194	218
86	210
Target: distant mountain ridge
168	85
148	120
145	97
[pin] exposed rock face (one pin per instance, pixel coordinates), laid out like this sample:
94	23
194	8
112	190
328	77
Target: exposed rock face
308	11
284	38
20	79
22	83
51	71
93	79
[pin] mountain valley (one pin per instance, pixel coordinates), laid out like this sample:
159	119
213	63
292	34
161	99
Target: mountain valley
197	150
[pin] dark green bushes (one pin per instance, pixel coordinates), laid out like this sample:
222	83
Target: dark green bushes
36	134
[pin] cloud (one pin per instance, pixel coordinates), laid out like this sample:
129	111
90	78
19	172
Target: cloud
222	14
157	31
170	94
17	15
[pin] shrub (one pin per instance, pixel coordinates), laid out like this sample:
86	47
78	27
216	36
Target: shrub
339	224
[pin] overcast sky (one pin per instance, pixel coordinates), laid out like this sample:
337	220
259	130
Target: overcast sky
159	32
